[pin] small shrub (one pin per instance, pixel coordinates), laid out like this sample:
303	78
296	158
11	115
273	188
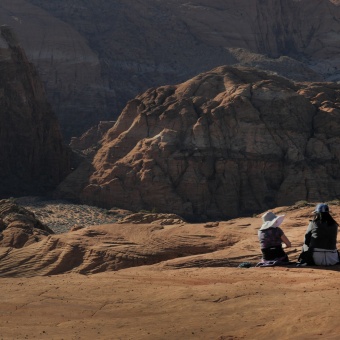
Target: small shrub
334	202
302	203
144	211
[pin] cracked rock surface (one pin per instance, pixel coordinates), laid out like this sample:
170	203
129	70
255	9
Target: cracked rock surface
228	142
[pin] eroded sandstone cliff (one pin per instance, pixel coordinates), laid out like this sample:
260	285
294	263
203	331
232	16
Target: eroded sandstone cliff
33	158
228	142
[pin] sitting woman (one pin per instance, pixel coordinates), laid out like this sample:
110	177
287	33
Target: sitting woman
271	237
319	247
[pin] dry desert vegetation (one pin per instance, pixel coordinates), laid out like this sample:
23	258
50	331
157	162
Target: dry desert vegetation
152	276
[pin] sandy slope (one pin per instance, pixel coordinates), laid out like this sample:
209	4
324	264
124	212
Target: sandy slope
202	296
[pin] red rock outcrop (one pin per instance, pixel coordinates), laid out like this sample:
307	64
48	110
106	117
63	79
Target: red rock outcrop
19	227
33	158
228	142
95	56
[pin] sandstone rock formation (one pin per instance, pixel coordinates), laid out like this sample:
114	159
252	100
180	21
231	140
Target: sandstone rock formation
70	69
32	156
228	142
88	142
18	226
114	247
94	56
199	295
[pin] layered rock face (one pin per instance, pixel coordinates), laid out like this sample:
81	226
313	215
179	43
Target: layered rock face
228	142
33	158
94	56
19	227
69	68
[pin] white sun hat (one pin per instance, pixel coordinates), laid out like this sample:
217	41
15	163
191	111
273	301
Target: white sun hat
270	220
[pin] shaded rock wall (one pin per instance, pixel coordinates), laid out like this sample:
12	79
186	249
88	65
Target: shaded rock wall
88	141
228	142
70	70
94	56
33	158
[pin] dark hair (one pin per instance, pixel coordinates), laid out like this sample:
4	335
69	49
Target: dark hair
324	217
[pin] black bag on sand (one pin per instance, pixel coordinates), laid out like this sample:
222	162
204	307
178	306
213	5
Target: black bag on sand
306	257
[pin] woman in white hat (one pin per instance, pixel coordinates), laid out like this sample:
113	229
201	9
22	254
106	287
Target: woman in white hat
319	247
271	237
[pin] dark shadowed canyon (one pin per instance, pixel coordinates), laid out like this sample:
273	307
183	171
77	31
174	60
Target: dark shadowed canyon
94	56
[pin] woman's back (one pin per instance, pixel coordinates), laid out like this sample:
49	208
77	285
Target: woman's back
323	235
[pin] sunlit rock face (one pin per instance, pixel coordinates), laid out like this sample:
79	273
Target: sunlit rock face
227	142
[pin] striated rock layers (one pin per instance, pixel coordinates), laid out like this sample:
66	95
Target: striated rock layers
166	244
70	70
95	55
228	142
19	227
102	248
32	156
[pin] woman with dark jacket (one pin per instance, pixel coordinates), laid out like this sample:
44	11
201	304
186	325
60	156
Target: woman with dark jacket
320	239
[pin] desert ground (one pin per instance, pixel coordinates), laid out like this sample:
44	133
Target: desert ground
166	279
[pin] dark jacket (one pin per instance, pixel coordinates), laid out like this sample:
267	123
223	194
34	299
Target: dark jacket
321	235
